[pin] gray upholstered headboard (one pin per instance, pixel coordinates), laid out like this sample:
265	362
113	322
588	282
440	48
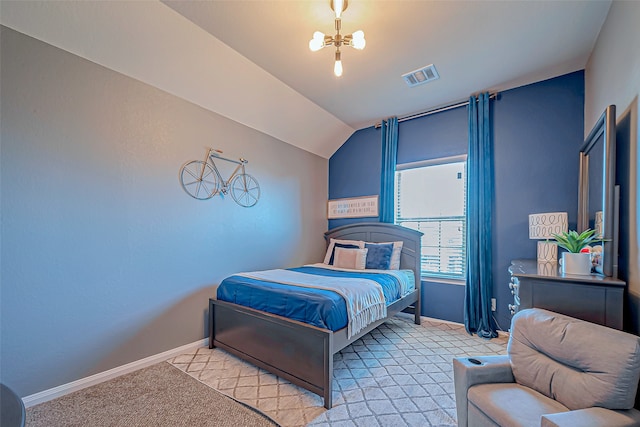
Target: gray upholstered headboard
377	232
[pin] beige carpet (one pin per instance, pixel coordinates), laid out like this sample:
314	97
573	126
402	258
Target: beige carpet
159	395
398	375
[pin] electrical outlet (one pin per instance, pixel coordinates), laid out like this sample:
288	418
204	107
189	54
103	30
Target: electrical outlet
493	304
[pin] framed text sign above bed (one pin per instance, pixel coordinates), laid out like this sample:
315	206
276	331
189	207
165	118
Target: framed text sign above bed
354	207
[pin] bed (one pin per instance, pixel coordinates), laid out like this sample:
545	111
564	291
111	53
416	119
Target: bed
300	352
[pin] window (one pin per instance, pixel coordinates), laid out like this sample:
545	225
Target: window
430	197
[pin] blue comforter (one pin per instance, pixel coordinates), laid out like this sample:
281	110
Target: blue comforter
318	307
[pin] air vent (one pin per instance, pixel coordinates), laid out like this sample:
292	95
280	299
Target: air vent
423	75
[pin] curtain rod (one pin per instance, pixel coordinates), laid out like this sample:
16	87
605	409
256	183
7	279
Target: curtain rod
436	110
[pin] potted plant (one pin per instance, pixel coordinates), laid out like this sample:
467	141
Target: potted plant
574	242
575	261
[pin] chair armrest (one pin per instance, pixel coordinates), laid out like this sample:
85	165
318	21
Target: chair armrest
593	417
494	369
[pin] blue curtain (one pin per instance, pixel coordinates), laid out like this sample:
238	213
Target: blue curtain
478	292
389	157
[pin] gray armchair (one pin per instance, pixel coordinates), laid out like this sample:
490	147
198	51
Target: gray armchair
559	372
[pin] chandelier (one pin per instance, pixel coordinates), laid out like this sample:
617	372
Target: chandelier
321	40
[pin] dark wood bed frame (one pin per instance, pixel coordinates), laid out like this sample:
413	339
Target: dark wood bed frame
296	351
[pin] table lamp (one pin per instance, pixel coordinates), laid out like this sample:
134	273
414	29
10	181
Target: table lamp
598	225
543	226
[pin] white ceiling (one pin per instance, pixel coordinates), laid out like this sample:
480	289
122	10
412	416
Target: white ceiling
271	81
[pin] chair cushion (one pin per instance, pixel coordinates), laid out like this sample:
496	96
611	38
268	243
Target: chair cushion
510	404
577	363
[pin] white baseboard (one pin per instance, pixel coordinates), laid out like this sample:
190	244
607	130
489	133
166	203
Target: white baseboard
433	319
61	390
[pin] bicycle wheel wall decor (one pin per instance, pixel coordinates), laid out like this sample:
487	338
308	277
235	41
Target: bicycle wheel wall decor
245	190
199	180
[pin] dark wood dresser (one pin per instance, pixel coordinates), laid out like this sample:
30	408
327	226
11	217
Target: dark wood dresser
594	298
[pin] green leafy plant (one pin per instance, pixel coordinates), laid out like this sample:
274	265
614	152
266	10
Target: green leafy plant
574	242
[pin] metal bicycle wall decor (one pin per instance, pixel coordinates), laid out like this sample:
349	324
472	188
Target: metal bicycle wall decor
202	180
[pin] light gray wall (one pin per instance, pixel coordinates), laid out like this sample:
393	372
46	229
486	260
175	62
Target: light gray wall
105	260
612	76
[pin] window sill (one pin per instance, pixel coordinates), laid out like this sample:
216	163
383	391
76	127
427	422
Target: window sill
433	279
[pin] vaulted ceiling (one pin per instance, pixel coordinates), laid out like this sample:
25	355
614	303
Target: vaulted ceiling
250	61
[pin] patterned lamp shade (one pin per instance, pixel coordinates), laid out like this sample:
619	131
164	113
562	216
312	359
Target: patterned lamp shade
543	226
598	225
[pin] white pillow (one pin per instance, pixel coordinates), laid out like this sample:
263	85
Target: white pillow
332	242
354	259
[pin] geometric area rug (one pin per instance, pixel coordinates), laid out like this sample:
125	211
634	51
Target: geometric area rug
400	374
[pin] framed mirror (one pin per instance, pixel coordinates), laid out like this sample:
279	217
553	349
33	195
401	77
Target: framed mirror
597	195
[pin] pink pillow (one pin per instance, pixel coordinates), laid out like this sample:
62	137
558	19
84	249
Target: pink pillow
354	259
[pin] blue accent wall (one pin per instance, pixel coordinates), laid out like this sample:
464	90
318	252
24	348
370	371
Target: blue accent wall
356	166
538	131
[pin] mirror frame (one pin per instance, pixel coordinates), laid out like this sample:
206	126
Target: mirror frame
605	127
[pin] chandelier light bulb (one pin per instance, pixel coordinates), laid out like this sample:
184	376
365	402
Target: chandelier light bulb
337	68
317	42
358	41
338	7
